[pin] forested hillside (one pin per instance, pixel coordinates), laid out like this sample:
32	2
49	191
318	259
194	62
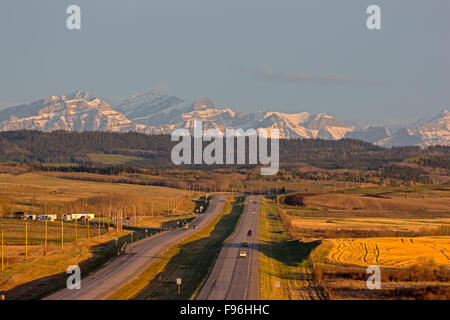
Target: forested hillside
154	150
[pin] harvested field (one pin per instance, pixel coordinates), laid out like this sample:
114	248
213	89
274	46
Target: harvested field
386	226
390	252
370	202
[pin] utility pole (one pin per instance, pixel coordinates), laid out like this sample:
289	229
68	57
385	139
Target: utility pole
26	239
140	216
62	233
45	240
2	251
121	220
179	285
76	232
110	213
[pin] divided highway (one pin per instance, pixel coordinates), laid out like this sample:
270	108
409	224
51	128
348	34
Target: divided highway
136	259
234	277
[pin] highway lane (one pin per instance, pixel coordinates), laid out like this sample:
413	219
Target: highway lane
233	277
137	258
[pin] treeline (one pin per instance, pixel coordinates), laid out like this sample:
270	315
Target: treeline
385	175
404	173
74	147
110	170
434	162
155	150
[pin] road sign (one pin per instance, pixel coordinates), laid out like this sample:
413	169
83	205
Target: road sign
179	285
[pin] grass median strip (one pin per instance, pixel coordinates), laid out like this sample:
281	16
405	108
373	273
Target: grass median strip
189	260
285	271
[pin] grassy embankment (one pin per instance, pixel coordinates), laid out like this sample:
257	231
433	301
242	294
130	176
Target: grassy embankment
41	274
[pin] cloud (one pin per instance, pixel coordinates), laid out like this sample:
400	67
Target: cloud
268	74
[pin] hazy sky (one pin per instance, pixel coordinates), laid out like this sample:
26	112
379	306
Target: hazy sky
282	55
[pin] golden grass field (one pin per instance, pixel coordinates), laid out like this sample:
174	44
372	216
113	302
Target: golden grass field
370	223
40	274
363	202
401	211
390	252
34	192
30	190
403	230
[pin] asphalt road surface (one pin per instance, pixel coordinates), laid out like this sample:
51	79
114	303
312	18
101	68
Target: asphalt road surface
234	277
138	256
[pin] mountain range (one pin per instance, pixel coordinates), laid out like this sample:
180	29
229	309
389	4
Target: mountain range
156	112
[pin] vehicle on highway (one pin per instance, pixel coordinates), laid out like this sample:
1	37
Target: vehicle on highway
242	254
249	233
28	217
245	244
48	217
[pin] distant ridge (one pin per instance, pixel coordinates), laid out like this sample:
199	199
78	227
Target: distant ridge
156	112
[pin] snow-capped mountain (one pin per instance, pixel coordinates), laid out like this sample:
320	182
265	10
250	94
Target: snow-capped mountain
169	113
156	112
153	108
369	134
78	111
433	131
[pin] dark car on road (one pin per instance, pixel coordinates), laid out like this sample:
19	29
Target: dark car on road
249	233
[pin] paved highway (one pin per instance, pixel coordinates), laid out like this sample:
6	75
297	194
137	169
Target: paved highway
136	259
233	277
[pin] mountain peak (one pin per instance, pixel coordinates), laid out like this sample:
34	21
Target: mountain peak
147	96
156	111
203	104
80	94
